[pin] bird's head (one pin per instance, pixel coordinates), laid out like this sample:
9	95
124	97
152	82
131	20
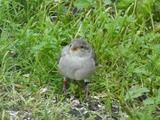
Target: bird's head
79	47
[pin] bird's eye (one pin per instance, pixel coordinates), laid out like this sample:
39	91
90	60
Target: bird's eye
81	46
70	45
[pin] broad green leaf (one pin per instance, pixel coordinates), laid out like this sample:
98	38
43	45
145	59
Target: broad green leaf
81	4
124	3
141	71
107	2
149	101
136	92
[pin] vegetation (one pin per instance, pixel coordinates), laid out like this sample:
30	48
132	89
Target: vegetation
125	35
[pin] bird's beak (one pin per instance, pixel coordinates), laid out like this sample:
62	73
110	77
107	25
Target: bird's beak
74	48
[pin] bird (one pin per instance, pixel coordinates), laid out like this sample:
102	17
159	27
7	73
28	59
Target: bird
77	61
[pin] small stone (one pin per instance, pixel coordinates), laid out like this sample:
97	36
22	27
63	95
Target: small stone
26	75
43	90
75	102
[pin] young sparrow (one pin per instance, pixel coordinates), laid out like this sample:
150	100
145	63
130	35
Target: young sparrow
77	62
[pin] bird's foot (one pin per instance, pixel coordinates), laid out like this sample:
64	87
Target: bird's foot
86	83
65	90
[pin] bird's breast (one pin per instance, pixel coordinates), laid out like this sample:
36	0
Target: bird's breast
77	68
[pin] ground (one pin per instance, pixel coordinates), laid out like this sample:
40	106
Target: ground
126	39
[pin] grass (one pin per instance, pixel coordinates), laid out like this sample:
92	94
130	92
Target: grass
124	34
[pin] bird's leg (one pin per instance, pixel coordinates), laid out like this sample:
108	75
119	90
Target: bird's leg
86	88
64	85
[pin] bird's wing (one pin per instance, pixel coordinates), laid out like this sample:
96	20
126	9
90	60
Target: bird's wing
63	52
93	55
